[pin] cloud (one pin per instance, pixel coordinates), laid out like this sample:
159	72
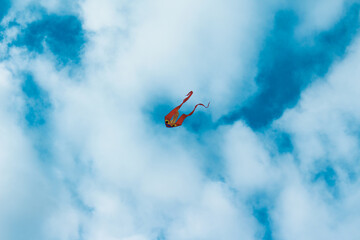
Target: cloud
248	162
214	209
200	51
84	90
288	64
318	18
324	129
25	189
330	125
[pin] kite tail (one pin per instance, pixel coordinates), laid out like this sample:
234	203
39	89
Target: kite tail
196	107
182	118
187	98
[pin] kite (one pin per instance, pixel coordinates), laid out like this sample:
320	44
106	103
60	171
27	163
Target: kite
170	119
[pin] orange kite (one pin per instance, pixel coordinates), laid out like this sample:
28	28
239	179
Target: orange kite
170	119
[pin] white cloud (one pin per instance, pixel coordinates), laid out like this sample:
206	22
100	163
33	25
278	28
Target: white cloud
111	173
109	14
214	216
325	130
304	212
301	215
325	122
248	162
316	17
162	50
25	194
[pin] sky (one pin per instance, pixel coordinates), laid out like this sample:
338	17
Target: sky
85	86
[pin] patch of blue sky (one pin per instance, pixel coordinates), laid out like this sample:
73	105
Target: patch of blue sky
263	217
37	102
282	141
199	122
328	176
157	111
260	205
37	110
63	35
4	8
288	65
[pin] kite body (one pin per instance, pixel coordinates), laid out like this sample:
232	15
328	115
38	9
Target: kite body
171	119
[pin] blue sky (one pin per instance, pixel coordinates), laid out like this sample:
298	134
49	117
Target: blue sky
85	86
